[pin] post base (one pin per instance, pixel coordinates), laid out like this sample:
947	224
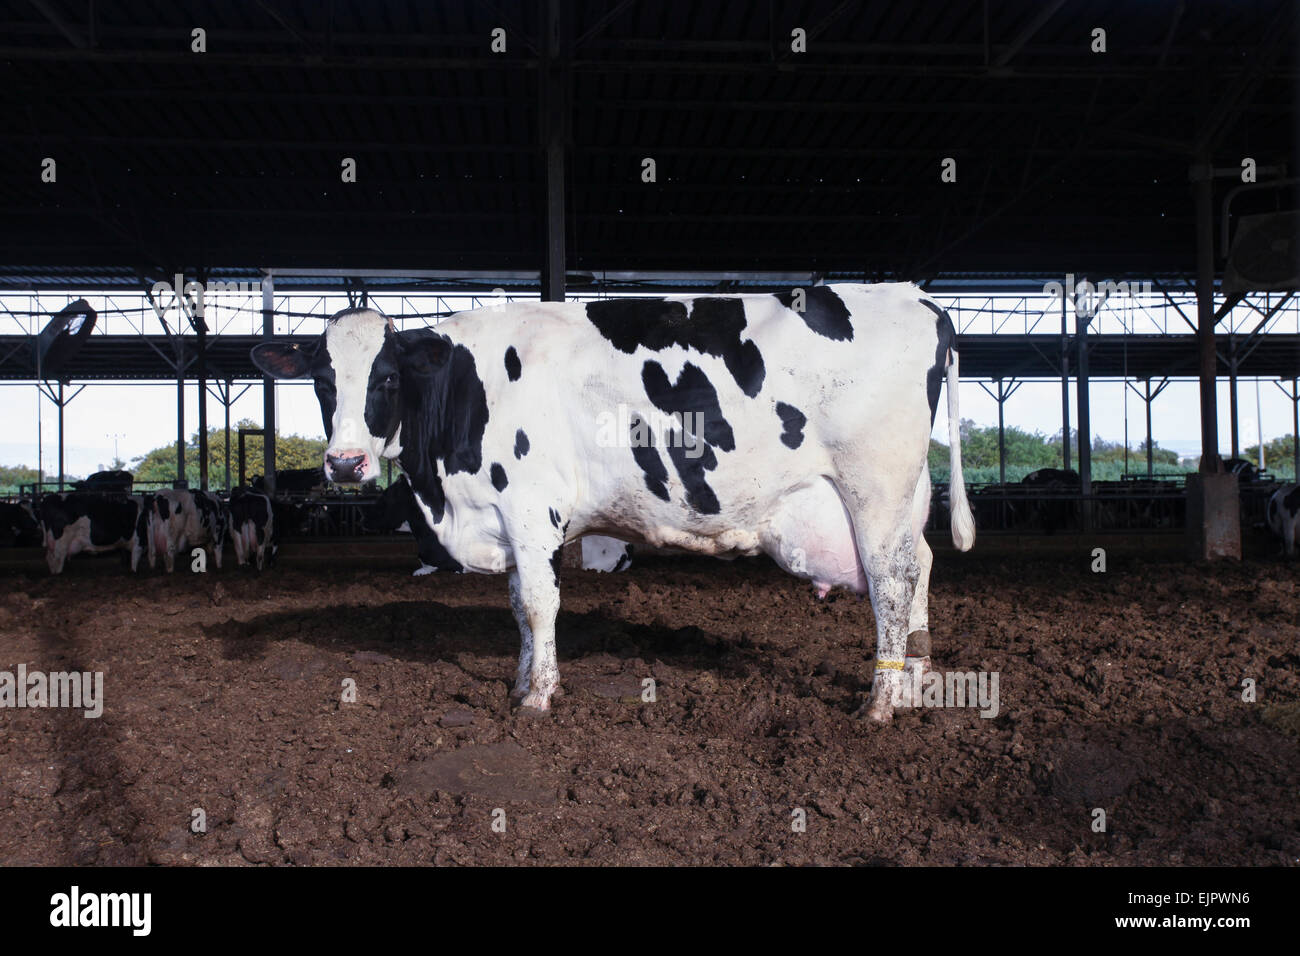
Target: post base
1213	517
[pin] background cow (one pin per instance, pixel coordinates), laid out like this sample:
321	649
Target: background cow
184	518
292	481
82	521
113	482
252	527
18	525
259	523
1283	517
796	425
1053	515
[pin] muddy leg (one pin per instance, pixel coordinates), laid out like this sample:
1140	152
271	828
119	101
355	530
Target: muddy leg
520	690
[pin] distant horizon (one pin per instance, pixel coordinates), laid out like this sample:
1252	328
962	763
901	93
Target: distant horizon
81	461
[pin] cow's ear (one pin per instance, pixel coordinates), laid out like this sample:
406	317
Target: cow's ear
282	359
423	351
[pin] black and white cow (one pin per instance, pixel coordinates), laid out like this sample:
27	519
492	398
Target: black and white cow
18	525
252	527
107	482
292	481
91	522
795	424
1284	517
259	523
184	518
397	510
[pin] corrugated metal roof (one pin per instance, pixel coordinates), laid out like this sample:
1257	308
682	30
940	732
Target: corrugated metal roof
823	161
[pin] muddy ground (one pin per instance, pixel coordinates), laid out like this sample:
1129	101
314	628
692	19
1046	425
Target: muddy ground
1120	691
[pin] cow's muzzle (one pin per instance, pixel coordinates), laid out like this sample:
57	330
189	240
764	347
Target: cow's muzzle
344	468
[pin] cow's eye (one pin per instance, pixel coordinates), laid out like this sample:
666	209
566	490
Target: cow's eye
390	380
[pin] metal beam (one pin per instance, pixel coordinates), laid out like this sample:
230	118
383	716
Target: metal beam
1204	194
72	34
268	388
1045	13
553	112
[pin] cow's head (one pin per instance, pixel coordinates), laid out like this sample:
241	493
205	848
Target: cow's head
358	367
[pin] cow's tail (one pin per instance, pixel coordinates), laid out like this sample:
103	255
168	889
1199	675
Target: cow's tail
961	519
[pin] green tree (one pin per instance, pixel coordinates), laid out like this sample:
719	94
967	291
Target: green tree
1028	451
1279	456
11	476
291	451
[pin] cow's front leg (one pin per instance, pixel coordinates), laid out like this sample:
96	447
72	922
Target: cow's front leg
539	594
525	639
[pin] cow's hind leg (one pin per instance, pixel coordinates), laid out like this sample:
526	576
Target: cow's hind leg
241	553
169	556
520	690
888	553
917	662
56	552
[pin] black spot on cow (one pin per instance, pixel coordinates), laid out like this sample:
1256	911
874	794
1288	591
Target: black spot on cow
691	464
514	368
142	519
398	505
444	413
692	395
713	327
164	508
499	480
824	312
555	518
521	444
326	393
383	411
947	338
648	459
792	421
1292	501
556	557
624	559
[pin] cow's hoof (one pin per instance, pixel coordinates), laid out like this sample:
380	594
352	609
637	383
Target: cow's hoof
880	715
536	700
874	713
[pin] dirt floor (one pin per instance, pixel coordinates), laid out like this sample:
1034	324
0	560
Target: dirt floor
1120	691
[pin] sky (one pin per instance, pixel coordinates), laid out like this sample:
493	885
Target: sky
132	419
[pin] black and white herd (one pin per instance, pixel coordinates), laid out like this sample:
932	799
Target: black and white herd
149	527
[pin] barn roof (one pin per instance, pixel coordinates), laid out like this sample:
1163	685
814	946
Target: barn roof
826	161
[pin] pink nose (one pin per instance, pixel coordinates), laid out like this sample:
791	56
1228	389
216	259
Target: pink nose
347	466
